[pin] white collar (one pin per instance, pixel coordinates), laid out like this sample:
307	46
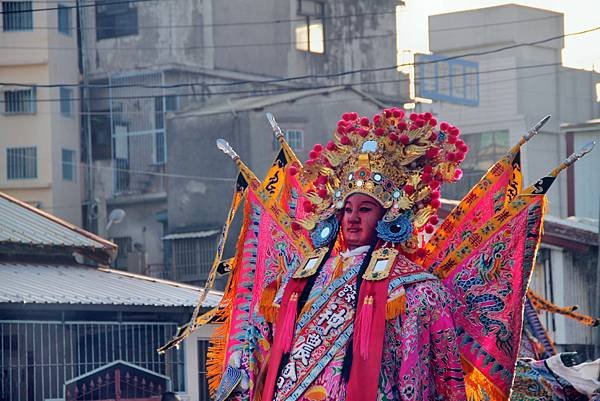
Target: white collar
356	251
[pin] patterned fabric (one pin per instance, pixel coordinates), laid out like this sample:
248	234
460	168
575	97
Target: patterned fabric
534	381
420	361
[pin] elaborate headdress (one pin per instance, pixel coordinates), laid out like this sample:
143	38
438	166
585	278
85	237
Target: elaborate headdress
399	162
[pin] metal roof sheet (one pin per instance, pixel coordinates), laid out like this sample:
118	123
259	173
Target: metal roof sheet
195	234
74	284
23	224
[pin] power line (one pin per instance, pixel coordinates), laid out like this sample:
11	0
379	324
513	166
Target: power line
272	91
107	3
224	46
288	20
376	69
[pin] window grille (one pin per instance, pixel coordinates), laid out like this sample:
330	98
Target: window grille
485	148
310	32
114	20
192	258
21	163
20	101
38	357
17	16
66	94
64	19
125	247
68	165
295	138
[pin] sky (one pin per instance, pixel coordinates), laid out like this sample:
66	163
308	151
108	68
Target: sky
582	51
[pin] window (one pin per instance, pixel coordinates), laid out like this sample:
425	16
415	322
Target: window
310	35
124	247
64	19
68	165
192	257
66	94
20	101
115	19
21	163
484	149
17	15
295	138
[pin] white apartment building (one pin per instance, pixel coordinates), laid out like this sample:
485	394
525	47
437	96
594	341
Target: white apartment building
39	110
500	72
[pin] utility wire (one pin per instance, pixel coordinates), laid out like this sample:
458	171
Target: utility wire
279	21
272	91
377	69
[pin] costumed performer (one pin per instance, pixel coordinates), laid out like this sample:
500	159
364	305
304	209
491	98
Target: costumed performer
358	320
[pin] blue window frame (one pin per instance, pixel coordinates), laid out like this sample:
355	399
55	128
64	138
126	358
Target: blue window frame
68	165
64	19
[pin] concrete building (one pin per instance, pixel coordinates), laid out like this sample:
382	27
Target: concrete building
147	59
40	141
198	197
505	75
71	327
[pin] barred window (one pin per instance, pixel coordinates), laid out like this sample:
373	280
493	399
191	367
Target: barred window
124	247
295	138
114	20
192	257
64	19
17	16
68	165
20	101
66	95
21	163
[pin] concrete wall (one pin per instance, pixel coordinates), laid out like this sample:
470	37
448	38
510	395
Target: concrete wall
167	33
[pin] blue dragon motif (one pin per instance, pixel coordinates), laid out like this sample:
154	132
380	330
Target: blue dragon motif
483	302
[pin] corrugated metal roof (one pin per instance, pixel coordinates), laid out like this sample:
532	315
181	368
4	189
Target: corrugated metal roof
195	234
24	224
72	284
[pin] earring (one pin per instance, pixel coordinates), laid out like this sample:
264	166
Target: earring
325	231
395	231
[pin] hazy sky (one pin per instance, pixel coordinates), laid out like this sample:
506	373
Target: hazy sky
580	51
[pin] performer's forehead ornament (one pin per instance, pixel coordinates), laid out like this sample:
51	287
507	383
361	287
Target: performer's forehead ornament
399	162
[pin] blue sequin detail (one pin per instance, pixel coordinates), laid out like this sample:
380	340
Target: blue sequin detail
395	231
330	224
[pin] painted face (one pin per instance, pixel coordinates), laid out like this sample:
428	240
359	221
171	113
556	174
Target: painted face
361	214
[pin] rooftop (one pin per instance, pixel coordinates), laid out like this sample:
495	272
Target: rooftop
34	283
27	226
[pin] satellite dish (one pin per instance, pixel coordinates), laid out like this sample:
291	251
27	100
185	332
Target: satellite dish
115	217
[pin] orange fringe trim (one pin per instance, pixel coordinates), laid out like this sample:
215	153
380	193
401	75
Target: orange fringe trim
540	303
215	357
267	307
395	307
476	383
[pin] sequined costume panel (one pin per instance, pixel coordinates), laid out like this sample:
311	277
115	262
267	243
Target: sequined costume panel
420	361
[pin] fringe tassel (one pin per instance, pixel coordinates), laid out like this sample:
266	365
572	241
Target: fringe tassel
289	323
362	327
267	307
395	307
339	268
